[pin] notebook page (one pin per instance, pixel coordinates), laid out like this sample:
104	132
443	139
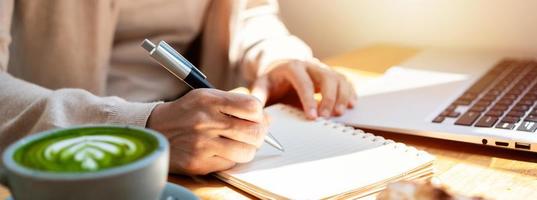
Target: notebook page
323	159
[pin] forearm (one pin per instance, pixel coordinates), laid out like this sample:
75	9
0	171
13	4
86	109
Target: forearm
27	108
264	56
261	39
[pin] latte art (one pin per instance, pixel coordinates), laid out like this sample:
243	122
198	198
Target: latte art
86	150
89	150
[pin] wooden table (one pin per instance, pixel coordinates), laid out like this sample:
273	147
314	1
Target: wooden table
464	168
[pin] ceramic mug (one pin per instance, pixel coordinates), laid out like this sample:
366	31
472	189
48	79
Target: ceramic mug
140	179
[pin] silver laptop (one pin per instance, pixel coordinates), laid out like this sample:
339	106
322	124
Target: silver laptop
482	98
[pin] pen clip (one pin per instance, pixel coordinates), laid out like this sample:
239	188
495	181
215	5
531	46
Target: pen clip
183	60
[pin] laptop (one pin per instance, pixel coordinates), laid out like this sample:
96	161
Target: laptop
476	97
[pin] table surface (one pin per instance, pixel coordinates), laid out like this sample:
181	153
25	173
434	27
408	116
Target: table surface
463	168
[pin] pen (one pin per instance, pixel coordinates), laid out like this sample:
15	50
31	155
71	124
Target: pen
181	68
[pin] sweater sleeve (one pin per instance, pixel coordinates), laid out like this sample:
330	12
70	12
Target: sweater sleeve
27	108
261	38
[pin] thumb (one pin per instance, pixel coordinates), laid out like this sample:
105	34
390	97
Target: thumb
260	89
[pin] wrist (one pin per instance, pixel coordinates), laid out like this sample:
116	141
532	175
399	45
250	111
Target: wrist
153	118
131	113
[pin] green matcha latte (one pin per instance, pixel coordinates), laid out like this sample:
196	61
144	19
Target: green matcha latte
86	149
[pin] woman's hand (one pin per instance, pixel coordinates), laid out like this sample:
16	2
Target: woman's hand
306	78
210	130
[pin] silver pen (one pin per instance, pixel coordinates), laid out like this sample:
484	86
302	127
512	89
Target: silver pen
181	68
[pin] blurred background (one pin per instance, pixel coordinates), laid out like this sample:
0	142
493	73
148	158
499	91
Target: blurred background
335	26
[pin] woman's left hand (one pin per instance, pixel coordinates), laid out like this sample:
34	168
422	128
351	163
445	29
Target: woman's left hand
306	78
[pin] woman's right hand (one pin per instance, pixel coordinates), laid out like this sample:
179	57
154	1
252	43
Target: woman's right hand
210	130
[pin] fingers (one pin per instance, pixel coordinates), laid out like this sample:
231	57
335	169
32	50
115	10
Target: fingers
219	164
329	92
353	102
349	97
260	89
354	98
233	150
237	105
301	81
337	93
245	131
343	98
199	165
243	106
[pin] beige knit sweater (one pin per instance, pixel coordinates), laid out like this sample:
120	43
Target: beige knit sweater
69	62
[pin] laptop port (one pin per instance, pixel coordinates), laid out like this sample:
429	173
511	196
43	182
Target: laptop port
503	144
520	145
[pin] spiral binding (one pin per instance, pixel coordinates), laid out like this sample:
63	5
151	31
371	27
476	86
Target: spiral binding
355	132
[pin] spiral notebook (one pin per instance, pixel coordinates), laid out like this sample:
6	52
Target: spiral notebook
324	160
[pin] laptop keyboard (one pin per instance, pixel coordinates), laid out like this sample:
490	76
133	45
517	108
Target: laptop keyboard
504	98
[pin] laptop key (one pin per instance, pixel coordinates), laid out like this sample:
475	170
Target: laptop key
530	96
505	125
499	107
505	102
510	119
515	114
528	99
521	108
439	119
453	114
489	97
531	117
494	113
484	103
486	121
528	126
514	92
510	97
468	118
478	108
494	92
525	102
463	102
449	113
451	107
468	96
444	113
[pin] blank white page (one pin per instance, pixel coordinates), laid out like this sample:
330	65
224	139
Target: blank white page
323	159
